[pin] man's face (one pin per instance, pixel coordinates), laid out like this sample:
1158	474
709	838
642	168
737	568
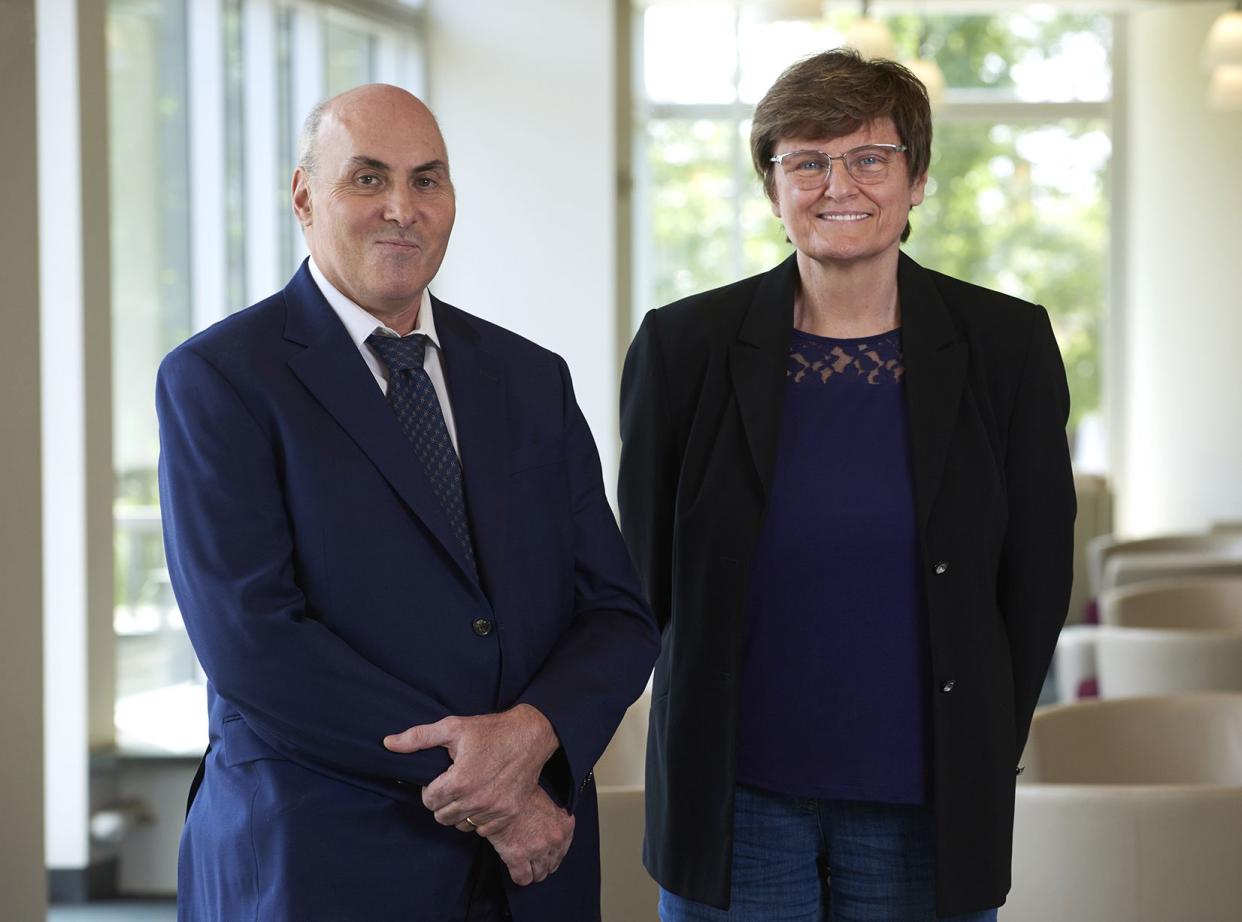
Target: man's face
379	208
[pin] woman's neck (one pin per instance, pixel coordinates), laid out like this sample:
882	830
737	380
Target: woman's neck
847	301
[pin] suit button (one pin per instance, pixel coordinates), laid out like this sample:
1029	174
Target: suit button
947	685
482	627
941	568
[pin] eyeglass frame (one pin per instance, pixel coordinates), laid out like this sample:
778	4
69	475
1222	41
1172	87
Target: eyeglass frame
895	148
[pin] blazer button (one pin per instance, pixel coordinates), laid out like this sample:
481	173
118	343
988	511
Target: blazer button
482	627
941	568
947	685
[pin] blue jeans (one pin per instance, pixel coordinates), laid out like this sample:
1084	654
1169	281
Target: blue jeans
797	860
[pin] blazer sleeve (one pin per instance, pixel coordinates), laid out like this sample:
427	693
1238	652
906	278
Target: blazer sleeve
1037	556
601	662
647	488
299	687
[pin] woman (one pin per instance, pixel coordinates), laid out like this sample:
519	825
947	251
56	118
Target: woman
846	484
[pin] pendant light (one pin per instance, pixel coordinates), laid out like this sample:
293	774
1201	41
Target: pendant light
1224	41
870	36
927	70
788	10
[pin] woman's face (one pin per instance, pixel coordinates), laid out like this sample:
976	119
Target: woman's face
845	221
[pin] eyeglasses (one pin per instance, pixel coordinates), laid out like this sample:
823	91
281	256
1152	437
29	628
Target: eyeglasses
810	169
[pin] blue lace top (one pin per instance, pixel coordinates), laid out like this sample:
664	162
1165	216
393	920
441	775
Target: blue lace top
834	679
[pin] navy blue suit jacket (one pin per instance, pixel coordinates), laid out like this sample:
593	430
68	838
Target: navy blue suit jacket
330	605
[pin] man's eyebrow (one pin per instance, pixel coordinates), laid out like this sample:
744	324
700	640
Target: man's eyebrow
430	166
360	160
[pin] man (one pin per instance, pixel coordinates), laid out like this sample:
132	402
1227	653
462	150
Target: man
388	535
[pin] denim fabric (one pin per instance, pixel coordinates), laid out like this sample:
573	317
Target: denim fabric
799	860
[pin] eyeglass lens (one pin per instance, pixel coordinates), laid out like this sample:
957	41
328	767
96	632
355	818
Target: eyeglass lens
809	169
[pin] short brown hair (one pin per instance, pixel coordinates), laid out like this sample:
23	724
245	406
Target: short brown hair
835	93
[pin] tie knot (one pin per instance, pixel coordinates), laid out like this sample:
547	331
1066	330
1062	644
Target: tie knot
399	354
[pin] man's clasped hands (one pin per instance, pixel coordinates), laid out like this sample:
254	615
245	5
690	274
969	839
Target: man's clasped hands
492	788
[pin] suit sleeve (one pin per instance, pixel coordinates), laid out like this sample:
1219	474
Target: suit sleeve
647	488
1037	556
601	663
299	687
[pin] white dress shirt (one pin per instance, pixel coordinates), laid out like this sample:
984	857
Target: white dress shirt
359	324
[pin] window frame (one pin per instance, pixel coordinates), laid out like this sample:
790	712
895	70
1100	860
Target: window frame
960	106
274	104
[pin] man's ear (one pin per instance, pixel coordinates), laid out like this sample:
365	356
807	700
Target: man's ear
300	193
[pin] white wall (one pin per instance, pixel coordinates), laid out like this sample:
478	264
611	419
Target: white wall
525	96
23	884
1182	431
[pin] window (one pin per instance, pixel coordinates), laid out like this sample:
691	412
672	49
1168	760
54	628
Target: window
206	101
1018	195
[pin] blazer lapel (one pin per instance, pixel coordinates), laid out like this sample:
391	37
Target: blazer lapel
935	361
331	369
757	365
477	389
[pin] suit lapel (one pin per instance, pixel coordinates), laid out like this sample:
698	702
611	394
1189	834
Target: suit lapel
935	371
757	365
331	369
477	390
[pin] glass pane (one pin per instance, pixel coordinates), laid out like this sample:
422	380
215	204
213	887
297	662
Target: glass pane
770	47
287	128
160	703
692	222
149	176
234	155
763	237
670	74
1024	209
1036	54
349	58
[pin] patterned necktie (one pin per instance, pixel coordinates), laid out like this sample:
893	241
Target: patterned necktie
414	401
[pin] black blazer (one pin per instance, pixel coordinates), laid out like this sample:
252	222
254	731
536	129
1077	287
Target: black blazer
700	413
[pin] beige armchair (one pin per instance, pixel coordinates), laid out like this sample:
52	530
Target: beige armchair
1190	603
1170	636
1095	518
1133	662
1074	664
1113	562
1130	810
1157	637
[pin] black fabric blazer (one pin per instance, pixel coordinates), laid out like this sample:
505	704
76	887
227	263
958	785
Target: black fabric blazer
701	402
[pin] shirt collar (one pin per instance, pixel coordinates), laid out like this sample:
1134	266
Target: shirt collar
360	324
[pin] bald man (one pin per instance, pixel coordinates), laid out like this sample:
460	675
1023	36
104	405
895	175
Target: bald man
387	533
